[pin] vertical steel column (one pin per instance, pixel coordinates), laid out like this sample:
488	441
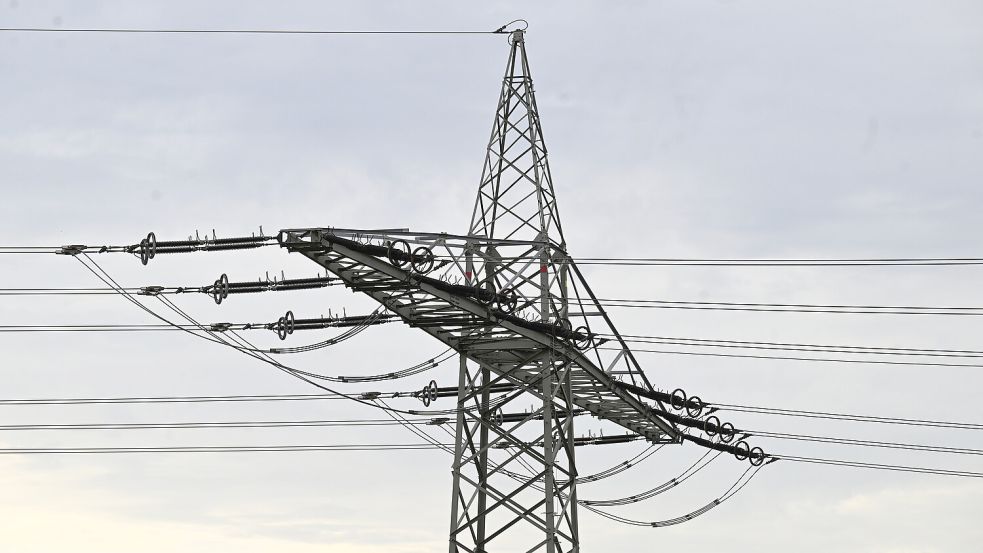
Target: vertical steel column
549	476
458	451
485	416
483	459
571	463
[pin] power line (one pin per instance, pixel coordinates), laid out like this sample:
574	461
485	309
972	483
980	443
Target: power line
864	443
357	322
240	31
860	262
432	422
216	449
792	346
319	397
215	424
617	261
219	290
109	327
142	306
242	345
662	488
847	416
735	488
609	302
146	249
792	307
193	322
63	291
880	466
86	328
195	399
167	399
793	358
753	262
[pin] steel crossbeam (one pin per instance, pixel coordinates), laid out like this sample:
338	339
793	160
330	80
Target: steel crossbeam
503	348
486	335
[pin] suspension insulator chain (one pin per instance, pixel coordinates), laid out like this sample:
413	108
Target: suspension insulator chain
285	325
220	290
582	338
712	425
499	417
429	393
422	260
398	252
148	248
507	301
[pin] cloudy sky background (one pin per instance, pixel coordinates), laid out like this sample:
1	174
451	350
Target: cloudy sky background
676	129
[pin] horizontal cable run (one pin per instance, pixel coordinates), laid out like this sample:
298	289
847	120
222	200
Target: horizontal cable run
149	247
320	282
220	449
169	399
69	291
880	466
619	261
218	424
219	290
847	416
298	324
238	31
793	346
789	307
873	262
756	262
793	358
856	442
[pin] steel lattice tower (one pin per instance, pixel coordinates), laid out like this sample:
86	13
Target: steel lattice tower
510	300
516	201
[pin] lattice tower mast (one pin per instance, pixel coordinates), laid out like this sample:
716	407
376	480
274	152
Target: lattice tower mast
516	201
502	297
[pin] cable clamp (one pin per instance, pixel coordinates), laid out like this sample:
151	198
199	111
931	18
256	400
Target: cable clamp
73	249
501	30
369	395
150	290
220	327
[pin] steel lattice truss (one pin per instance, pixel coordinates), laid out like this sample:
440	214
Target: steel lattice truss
511	301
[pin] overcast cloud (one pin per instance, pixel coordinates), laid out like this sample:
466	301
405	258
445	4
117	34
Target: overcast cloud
675	129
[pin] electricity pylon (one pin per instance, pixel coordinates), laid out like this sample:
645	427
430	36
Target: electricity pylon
516	201
511	301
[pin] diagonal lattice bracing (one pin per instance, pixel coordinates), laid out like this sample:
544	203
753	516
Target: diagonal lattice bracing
515	196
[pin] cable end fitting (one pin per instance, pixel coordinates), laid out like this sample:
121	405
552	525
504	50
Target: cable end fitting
72	249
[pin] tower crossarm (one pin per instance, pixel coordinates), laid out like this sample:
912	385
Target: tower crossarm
393	268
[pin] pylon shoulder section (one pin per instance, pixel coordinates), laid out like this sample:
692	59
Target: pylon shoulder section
427	279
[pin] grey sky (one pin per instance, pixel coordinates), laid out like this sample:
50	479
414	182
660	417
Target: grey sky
691	129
